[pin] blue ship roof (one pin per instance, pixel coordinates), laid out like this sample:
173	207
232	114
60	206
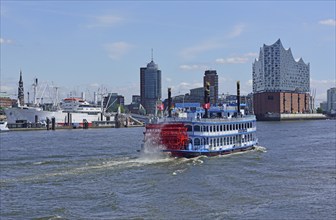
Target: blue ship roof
187	105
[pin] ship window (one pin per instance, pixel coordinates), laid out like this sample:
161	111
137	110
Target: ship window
197	141
197	128
210	128
221	128
189	128
230	127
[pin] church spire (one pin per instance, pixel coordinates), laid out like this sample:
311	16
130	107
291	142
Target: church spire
21	90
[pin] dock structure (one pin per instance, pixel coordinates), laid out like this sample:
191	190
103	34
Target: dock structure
288	117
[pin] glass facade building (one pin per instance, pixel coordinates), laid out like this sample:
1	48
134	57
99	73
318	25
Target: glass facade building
277	71
150	86
281	85
331	100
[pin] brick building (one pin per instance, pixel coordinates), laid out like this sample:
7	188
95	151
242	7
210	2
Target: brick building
280	102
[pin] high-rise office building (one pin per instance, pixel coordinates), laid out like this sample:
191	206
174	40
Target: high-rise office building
280	84
331	100
150	87
212	77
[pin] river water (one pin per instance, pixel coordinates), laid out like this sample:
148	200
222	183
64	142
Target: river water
98	174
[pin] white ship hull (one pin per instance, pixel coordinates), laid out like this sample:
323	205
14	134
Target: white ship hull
61	118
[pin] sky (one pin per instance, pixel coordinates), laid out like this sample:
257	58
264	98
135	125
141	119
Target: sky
88	46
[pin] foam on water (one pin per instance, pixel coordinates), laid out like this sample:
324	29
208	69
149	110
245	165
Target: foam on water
116	163
260	149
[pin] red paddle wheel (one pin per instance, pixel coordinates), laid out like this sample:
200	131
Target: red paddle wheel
171	136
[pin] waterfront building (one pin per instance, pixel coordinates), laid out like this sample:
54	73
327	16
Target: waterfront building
136	99
331	100
196	95
150	87
280	84
21	91
324	106
212	77
112	101
6	102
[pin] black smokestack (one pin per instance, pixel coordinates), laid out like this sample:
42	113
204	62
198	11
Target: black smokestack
206	99
169	102
238	97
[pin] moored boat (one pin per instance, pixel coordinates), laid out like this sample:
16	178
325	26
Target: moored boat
73	111
3	126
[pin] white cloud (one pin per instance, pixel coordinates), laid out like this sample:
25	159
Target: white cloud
237	31
94	85
237	59
232	60
328	22
211	44
105	21
191	52
251	54
6	41
117	49
193	67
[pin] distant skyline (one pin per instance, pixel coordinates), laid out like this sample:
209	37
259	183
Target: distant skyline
85	45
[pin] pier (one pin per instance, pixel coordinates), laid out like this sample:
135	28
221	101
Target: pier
288	117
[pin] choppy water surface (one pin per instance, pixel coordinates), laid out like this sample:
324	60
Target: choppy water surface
98	174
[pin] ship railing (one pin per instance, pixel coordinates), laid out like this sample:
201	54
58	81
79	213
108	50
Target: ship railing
221	133
233	119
